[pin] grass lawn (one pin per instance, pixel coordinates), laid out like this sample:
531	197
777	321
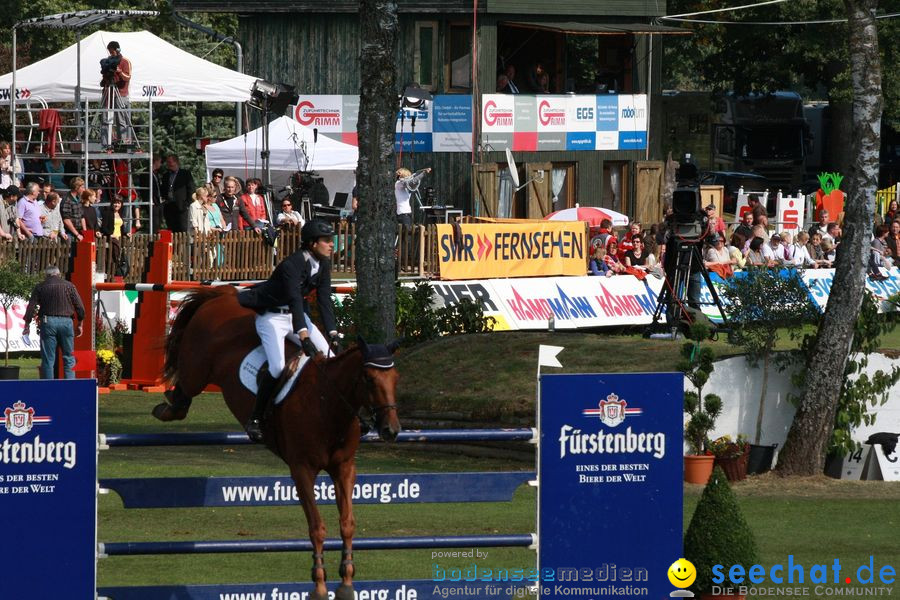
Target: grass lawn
489	378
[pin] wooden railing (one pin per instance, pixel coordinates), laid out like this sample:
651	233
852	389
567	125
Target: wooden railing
229	257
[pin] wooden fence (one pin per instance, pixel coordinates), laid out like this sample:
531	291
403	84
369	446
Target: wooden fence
232	256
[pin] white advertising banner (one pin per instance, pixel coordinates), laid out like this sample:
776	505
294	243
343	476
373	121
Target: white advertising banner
11	324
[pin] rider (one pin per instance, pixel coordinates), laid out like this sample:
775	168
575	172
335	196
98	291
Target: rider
282	308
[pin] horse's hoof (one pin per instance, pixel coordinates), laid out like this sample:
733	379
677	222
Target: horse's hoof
166	412
344	592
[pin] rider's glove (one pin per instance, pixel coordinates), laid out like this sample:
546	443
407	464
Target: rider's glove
309	348
334	340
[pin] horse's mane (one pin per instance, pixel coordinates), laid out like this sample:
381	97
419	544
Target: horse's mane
187	309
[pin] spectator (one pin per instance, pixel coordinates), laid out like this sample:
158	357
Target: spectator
820	227
46	188
213	214
176	188
893	240
29	213
149	187
761	220
112	227
9	228
773	252
817	251
230	205
830	250
597	264
10	171
52	219
512	86
503	84
199	223
255	204
611	259
833	234
100	179
801	256
757	208
745	228
761	232
716	225
627	241
214	186
717	253
71	211
602	235
535	77
755	255
55	170
787	248
736	250
55	301
637	257
89	210
880	247
288	217
544	83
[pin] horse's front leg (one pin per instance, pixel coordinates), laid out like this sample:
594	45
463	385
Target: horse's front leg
344	478
304	479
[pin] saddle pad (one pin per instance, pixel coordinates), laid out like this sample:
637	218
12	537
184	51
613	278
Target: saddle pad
250	367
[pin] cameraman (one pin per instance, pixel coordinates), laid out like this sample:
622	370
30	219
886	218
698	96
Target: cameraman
116	72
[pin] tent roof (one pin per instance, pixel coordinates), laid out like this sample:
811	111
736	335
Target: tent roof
285	137
161	72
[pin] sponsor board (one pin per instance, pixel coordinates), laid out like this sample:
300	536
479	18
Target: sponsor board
445	125
48	483
552	122
613	442
511	250
11	324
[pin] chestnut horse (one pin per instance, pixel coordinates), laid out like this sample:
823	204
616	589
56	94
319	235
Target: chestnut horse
315	428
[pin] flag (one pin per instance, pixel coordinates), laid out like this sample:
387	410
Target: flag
547	356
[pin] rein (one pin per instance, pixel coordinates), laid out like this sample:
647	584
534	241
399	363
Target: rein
344	398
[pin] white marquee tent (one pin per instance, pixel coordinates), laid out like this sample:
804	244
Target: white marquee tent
160	72
333	160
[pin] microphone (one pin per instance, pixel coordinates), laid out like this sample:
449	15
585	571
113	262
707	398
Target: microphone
315	134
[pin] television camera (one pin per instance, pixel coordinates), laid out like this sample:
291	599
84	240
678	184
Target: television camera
306	189
108	66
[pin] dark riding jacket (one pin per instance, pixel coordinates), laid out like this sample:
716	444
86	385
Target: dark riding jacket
289	285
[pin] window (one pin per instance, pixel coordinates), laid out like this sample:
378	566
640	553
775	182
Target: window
562	182
459	57
426	54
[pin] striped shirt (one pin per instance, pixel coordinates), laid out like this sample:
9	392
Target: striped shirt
56	297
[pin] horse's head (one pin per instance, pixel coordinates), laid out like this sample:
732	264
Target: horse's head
381	380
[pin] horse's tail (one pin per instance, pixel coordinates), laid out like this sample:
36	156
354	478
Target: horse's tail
188	307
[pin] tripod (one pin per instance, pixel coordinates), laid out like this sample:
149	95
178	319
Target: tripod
114	113
684	272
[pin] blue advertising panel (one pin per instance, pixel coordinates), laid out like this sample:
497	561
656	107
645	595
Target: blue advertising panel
607	113
610	494
581	140
171	492
416	589
632	140
48	483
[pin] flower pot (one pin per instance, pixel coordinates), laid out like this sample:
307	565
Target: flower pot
697	469
11	372
104	373
735	467
761	458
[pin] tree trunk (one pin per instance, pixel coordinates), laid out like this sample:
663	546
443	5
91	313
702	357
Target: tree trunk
376	225
762	400
807	441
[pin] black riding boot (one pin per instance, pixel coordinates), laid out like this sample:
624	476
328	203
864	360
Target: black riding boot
265	386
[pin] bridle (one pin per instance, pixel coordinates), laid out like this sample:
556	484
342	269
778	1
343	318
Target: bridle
374	412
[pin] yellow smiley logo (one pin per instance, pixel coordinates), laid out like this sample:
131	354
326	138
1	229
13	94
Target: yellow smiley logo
682	573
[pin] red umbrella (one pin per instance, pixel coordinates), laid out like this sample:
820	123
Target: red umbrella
591	214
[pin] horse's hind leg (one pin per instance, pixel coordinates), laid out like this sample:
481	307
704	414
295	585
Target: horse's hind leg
304	478
344	477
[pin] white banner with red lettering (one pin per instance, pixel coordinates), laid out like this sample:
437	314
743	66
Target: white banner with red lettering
11	324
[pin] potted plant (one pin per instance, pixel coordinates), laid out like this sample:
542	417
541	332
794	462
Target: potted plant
718	535
731	455
697	364
109	367
15	285
763	304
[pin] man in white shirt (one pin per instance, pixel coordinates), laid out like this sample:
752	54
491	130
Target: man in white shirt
51	218
772	251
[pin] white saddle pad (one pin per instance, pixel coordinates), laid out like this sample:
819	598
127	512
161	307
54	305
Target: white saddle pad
250	367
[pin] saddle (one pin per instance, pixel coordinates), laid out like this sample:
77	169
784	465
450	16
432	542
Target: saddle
256	360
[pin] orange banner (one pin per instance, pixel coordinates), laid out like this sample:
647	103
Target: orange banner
490	250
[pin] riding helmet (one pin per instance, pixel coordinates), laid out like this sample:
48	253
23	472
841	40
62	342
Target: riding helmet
314	230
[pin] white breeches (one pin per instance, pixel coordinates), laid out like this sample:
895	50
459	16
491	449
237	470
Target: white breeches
273	328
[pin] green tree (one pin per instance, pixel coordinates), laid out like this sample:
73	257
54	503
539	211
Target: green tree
811	59
377	225
763	304
807	441
15	284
